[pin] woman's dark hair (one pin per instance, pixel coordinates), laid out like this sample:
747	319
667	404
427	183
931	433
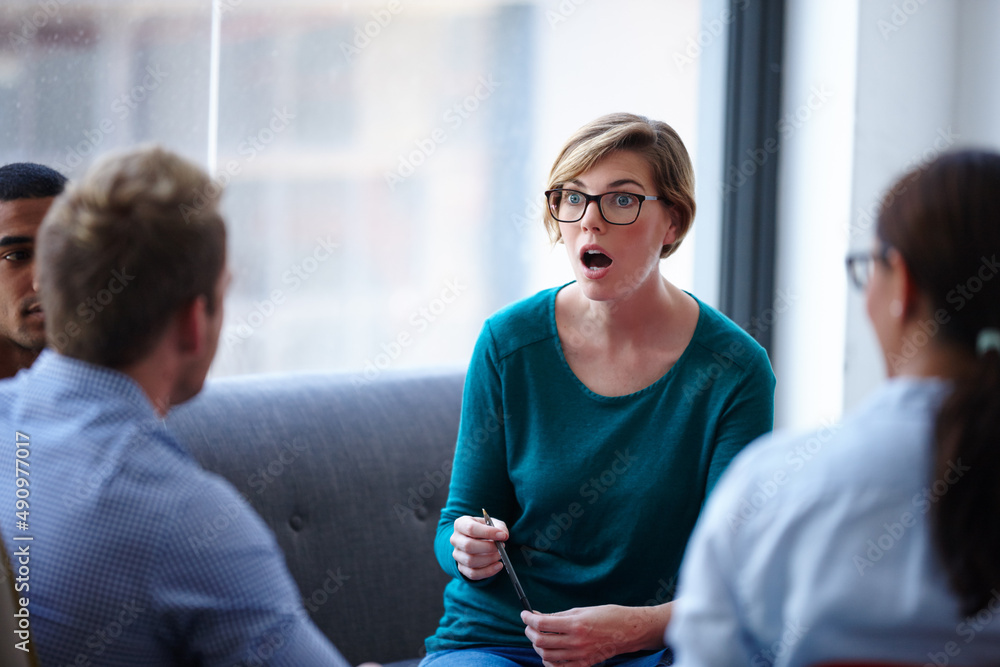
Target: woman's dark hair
944	219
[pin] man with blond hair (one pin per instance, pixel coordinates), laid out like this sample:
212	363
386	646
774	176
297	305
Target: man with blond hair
133	295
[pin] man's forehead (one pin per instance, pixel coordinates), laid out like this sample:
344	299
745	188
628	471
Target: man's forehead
22	217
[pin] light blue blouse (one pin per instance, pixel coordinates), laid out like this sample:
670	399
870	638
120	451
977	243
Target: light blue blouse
817	547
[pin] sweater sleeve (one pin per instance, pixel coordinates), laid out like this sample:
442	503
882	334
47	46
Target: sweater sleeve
748	414
479	477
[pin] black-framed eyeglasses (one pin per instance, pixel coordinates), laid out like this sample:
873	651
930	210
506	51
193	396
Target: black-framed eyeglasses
617	208
861	265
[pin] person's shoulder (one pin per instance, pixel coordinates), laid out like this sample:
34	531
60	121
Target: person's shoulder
856	456
523	323
773	479
17	386
8	390
198	506
725	341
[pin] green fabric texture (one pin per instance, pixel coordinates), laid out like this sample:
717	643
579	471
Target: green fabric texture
600	494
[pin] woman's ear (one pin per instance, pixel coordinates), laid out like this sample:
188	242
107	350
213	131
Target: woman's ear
903	288
670	236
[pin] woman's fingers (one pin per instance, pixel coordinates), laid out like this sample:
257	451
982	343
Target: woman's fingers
476	527
475	552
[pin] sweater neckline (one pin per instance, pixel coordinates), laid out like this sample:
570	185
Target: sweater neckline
587	391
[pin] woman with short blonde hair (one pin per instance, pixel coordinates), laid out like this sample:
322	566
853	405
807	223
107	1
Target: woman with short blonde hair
622	398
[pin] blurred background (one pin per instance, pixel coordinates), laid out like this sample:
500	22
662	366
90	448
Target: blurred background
384	160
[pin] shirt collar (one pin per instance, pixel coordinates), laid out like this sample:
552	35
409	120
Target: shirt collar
73	378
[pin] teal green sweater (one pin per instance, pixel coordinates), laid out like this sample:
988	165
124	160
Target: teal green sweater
599	493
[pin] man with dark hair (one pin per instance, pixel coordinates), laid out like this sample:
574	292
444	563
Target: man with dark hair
100	500
26	192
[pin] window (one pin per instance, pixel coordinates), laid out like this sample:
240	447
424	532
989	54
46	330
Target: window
384	161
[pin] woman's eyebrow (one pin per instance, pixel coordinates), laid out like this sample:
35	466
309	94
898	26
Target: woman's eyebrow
615	184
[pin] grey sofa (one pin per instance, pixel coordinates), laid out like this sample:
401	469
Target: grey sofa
351	477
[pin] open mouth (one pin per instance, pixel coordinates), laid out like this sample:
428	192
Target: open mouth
595	259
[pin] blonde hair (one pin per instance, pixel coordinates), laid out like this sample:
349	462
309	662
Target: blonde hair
123	249
673	175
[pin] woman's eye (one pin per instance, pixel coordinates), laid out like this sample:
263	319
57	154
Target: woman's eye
574	198
624	201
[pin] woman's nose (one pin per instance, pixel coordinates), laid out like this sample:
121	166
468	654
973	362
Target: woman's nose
593	219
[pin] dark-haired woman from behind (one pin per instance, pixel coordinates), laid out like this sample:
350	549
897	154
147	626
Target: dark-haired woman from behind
884	543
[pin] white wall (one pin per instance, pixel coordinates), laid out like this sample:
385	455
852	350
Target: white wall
909	79
814	196
906	95
716	16
977	104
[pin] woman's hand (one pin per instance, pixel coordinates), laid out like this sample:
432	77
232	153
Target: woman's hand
585	636
475	553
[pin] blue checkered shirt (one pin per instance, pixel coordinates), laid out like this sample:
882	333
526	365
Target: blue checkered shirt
113	572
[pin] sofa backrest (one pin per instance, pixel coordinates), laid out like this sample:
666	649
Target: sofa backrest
351	477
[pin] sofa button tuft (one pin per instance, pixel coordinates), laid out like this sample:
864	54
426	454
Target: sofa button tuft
420	512
296	523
